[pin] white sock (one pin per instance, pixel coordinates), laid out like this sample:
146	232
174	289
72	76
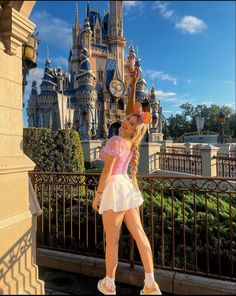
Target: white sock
109	281
149	279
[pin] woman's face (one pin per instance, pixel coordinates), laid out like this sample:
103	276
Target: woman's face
128	126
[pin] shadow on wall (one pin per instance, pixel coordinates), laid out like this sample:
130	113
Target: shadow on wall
18	261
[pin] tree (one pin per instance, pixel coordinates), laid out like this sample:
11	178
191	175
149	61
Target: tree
178	125
68	154
185	122
59	152
38	145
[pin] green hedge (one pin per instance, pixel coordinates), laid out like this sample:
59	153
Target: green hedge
59	152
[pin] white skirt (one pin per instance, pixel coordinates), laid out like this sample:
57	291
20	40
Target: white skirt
120	194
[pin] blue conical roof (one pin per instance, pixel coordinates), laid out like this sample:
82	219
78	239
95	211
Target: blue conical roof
48	72
85	67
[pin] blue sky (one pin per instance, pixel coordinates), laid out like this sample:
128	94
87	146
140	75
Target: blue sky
186	47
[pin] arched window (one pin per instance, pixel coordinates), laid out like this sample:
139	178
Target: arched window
120	104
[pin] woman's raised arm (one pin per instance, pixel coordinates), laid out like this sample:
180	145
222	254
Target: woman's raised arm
131	100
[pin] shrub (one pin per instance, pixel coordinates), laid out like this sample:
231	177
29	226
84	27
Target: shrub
38	145
61	152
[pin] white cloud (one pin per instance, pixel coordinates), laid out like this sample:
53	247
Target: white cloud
52	30
176	100
208	103
162	94
133	6
60	61
55	61
231	105
162	7
190	24
172	98
186	24
153	74
35	74
228	82
130	4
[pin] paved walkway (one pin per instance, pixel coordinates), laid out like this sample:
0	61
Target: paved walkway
65	283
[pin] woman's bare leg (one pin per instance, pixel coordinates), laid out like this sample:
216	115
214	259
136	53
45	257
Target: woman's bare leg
134	225
112	223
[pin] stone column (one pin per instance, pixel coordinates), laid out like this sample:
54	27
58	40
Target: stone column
188	148
19	206
166	144
224	149
232	151
149	159
91	149
208	162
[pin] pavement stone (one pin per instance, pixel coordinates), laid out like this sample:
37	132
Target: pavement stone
59	282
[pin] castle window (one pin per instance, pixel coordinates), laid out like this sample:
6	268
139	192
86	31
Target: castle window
97	36
120	105
100	75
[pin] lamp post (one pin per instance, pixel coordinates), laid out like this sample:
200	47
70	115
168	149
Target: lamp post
221	120
199	123
29	58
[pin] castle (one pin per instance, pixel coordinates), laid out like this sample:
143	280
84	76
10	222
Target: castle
91	98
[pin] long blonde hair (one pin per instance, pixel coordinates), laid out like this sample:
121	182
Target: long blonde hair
140	131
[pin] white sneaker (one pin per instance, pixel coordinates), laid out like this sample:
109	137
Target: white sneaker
154	290
103	288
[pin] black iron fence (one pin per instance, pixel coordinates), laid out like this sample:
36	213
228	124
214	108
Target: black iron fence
190	221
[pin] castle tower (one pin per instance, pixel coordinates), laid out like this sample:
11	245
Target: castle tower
155	131
33	108
155	105
131	59
97	32
86	95
86	36
141	84
117	42
73	59
48	96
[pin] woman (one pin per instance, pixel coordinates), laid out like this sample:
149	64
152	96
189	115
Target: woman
118	197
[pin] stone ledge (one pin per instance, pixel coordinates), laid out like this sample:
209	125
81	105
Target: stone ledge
15	164
14	29
169	281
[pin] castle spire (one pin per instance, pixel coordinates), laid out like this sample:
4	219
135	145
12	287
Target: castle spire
88	9
77	17
34	91
47	54
86	35
141	84
138	62
131	59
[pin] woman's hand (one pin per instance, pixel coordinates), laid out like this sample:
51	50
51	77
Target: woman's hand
135	76
96	201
